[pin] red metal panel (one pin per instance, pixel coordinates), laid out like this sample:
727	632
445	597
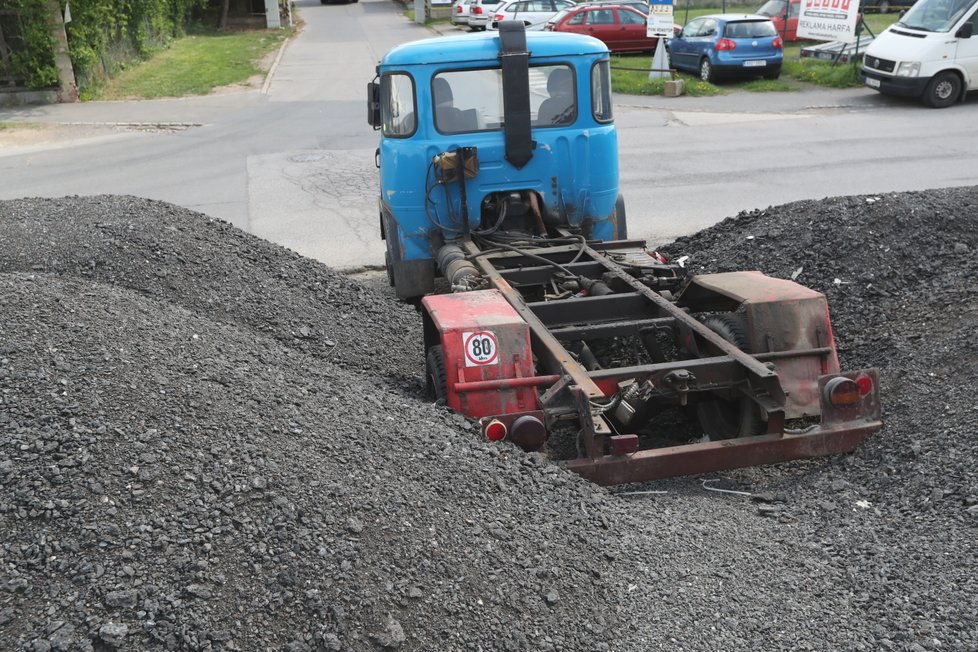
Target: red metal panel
781	316
486	345
720	455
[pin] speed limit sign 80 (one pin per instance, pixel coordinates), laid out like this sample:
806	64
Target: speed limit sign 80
480	348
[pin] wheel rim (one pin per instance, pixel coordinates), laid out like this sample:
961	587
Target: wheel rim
944	89
705	70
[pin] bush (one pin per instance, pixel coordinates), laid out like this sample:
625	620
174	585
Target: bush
28	34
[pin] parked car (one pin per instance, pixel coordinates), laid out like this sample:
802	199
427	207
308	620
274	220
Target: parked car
460	12
480	13
621	28
533	13
781	12
726	45
640	5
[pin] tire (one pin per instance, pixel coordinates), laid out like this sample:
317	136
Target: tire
943	90
729	418
621	221
706	71
436	379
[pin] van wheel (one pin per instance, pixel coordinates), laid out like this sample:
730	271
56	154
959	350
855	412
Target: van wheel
706	71
943	90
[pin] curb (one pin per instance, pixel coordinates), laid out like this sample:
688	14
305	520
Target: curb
271	71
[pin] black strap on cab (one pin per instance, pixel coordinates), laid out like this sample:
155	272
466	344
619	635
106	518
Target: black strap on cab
516	91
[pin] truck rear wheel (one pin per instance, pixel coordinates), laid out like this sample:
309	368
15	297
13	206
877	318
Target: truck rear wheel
943	90
735	417
436	386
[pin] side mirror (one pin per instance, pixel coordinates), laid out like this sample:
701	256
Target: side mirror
966	31
373	104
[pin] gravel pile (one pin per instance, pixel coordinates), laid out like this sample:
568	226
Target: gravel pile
208	442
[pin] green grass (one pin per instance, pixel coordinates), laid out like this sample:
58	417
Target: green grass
194	65
635	80
429	21
680	16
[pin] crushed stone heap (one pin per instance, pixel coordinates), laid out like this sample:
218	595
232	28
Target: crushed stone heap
208	442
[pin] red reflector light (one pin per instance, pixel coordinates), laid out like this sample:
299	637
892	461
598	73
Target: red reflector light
865	384
842	392
498	17
496	430
476	10
725	44
777	43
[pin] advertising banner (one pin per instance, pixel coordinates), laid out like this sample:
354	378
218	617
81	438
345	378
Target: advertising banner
828	20
660	18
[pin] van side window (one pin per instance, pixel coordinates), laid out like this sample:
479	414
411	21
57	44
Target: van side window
397	110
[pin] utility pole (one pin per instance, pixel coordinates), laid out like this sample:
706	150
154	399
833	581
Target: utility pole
67	86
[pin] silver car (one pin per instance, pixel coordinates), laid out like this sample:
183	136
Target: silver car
460	12
533	13
481	12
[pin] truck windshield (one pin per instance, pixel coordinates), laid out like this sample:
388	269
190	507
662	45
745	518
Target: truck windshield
472	100
935	15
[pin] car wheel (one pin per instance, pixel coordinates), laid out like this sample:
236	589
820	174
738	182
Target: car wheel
706	71
943	90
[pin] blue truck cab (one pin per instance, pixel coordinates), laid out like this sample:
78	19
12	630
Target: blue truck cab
506	133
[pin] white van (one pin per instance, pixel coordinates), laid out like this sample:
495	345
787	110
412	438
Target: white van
931	53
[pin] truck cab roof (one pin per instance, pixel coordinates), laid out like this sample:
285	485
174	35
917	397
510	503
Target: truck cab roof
485	47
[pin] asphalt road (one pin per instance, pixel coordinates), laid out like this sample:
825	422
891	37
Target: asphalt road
293	161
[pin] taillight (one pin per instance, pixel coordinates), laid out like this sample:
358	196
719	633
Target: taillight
725	44
777	43
842	392
498	17
476	10
496	430
458	10
865	384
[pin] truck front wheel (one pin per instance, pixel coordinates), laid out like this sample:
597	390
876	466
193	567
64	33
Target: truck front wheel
943	90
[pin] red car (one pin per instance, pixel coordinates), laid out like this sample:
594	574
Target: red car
621	28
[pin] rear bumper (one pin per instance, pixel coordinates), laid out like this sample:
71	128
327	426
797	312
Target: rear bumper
737	67
890	85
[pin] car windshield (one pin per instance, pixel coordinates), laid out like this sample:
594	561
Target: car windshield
558	16
935	15
750	29
772	8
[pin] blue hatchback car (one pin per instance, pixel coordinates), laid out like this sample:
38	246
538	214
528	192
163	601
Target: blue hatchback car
726	45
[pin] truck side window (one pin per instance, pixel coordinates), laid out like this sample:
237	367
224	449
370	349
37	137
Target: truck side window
560	105
397	110
601	91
